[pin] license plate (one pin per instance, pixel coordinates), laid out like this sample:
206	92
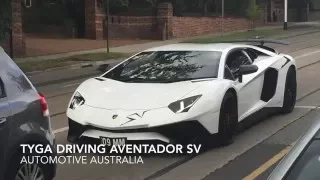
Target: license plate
113	141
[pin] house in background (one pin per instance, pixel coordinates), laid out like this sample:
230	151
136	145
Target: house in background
314	10
298	10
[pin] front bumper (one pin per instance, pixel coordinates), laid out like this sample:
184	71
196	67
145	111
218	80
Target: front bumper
182	132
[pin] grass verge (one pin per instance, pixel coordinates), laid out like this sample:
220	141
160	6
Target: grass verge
239	35
39	65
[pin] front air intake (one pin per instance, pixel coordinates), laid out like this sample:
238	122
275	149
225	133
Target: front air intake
99	79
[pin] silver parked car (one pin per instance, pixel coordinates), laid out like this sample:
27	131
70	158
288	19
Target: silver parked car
303	160
24	119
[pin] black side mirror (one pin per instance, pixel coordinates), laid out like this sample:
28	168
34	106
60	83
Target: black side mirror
247	69
103	67
106	67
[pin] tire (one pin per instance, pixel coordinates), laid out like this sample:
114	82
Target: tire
228	119
17	170
290	92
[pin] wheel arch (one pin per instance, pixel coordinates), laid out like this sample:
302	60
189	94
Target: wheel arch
234	93
32	139
293	67
227	127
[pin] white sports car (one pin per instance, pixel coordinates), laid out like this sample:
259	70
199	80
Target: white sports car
177	93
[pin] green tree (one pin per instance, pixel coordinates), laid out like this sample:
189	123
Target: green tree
5	19
178	6
204	5
253	13
115	5
153	4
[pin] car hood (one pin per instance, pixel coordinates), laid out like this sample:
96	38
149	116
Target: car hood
111	94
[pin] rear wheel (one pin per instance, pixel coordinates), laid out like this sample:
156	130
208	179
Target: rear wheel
228	119
290	92
27	171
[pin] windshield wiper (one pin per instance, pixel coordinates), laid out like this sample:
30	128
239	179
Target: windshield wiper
187	79
136	79
173	80
142	80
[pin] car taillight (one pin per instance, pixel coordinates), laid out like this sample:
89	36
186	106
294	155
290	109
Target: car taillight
44	105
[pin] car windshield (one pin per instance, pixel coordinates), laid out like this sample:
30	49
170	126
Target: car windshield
308	165
167	66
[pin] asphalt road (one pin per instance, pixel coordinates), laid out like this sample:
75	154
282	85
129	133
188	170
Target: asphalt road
246	157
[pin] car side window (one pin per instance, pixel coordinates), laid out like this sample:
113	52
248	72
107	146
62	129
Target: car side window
307	165
235	60
228	74
254	54
2	89
248	60
15	81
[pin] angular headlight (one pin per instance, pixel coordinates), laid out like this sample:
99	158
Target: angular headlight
76	101
183	105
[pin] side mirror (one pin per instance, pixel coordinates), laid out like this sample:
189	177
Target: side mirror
103	67
106	67
247	69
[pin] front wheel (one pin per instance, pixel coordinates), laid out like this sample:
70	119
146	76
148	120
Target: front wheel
228	119
290	92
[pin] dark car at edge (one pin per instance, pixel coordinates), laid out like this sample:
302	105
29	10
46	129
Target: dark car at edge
24	119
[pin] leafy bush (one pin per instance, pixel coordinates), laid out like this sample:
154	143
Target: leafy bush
253	12
115	6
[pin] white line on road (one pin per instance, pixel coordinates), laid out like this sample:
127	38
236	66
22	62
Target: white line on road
307	107
57	131
308	54
69	85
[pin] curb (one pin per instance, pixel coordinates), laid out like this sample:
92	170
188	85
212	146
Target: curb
298	34
102	65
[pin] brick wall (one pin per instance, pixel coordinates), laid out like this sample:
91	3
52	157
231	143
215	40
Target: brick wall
131	27
314	16
192	26
94	18
162	26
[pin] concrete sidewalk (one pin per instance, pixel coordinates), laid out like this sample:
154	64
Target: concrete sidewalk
295	29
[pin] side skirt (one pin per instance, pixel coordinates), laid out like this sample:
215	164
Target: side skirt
257	117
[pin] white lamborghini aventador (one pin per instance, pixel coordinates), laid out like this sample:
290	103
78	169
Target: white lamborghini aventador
181	92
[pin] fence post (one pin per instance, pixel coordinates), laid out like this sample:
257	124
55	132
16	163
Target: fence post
164	19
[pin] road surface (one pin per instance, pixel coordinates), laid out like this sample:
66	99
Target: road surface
253	155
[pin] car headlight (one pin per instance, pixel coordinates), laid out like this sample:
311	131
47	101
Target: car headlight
76	101
183	105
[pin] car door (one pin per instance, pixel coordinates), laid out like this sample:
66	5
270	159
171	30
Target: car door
249	90
5	115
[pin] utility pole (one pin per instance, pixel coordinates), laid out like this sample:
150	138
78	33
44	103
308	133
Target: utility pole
108	18
222	17
285	24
